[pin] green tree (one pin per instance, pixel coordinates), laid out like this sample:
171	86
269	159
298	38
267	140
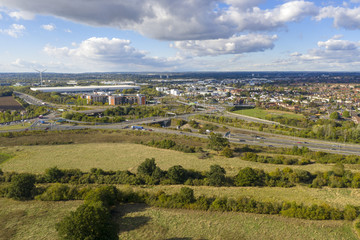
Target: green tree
108	195
250	177
177	174
53	174
346	114
147	167
227	152
335	115
186	195
217	142
216	176
89	221
22	186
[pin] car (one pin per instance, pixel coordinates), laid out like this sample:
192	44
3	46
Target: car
299	142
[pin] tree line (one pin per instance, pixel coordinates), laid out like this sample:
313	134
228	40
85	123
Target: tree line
324	129
148	173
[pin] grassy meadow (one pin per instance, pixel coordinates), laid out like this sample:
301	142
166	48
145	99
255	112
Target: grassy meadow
335	197
122	156
36	220
261	113
141	222
30	220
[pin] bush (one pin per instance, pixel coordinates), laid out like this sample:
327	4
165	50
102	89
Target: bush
250	177
22	186
227	152
147	167
177	174
90	221
108	195
216	176
59	192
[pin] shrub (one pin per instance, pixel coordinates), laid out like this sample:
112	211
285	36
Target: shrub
89	221
59	192
216	176
22	186
250	177
177	174
147	167
108	195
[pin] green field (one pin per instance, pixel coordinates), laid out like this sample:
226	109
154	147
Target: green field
36	220
261	113
335	197
122	156
14	127
141	222
30	220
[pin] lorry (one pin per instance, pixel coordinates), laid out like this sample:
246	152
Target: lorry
137	127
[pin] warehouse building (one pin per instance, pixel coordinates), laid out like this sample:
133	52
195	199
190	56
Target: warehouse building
84	89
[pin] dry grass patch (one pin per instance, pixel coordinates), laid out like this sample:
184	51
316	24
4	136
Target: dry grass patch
154	223
122	156
32	219
335	197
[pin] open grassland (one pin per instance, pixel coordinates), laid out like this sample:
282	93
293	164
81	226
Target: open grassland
32	219
36	220
141	222
122	156
95	136
14	127
9	103
261	113
335	197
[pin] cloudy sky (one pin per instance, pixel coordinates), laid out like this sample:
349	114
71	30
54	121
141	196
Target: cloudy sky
179	35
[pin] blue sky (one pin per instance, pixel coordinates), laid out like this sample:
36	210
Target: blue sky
179	35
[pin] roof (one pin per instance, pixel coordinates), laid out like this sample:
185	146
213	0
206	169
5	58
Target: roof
85	88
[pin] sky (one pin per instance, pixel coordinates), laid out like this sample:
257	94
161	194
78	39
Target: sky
74	36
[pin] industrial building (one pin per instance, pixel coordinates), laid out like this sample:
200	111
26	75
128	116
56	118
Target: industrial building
118	99
83	89
127	99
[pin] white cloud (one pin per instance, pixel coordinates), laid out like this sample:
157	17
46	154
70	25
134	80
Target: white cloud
68	30
112	52
257	19
48	27
15	30
173	20
333	51
20	63
336	44
348	18
233	45
22	15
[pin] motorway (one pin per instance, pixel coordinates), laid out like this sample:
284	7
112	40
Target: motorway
237	135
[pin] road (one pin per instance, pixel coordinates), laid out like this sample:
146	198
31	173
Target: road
237	135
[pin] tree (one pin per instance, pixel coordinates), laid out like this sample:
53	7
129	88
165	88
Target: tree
177	174
186	195
335	115
227	152
22	186
147	167
346	114
216	176
53	174
90	221
250	177
217	142
108	195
